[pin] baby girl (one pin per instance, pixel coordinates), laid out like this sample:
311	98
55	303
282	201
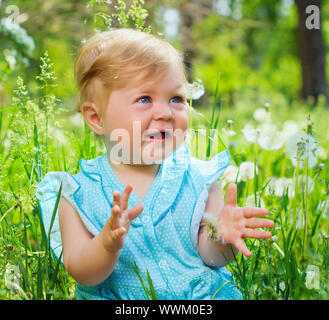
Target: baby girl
147	199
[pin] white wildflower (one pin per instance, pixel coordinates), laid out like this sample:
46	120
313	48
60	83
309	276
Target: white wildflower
261	115
270	138
230	174
12	277
18	33
10	57
228	130
246	171
250	133
280	186
282	286
250	201
301	146
312	279
194	90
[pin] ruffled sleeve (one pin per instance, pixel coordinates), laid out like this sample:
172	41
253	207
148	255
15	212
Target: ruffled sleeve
47	193
205	174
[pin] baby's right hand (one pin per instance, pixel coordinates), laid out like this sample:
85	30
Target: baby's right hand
116	227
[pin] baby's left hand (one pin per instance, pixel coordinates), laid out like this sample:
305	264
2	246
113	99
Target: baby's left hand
236	223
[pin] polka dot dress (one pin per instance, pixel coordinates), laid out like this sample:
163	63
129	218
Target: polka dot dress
162	240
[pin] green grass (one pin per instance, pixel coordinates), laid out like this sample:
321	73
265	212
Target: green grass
278	268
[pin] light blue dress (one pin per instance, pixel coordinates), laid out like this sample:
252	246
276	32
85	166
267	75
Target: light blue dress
163	238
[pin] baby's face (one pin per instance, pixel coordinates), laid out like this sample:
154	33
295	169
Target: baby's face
146	120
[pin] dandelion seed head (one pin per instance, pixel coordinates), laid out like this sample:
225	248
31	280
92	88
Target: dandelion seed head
301	146
230	174
194	90
246	171
261	115
270	138
250	133
250	201
12	276
281	185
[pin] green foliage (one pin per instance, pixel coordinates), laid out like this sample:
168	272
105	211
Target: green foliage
38	136
133	18
16	47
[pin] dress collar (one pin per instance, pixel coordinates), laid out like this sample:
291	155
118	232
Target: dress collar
162	192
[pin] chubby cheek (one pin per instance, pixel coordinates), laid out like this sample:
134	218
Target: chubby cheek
181	125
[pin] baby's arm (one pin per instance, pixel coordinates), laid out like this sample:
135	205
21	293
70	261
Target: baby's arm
212	253
91	259
234	223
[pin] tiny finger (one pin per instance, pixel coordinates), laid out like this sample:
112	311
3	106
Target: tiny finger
115	215
135	211
241	246
117	233
256	234
125	196
250	212
116	198
231	194
259	223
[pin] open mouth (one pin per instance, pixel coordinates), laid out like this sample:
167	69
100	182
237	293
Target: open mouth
158	137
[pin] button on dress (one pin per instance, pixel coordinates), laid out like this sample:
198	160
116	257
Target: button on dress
163	239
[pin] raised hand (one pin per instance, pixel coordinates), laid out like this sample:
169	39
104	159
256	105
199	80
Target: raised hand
118	224
236	223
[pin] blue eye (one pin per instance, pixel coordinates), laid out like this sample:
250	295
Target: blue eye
142	98
181	100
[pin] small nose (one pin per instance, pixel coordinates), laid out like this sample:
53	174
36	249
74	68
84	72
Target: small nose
163	111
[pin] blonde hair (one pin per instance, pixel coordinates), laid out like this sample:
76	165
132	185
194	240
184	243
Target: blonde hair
117	55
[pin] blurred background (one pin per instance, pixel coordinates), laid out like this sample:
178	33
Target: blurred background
259	49
260	70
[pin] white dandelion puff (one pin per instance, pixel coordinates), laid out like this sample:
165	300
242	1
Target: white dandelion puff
250	201
12	277
261	115
228	130
301	146
270	138
230	174
250	133
246	171
274	238
194	90
279	186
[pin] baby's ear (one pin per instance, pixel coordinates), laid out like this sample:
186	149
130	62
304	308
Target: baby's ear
91	114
